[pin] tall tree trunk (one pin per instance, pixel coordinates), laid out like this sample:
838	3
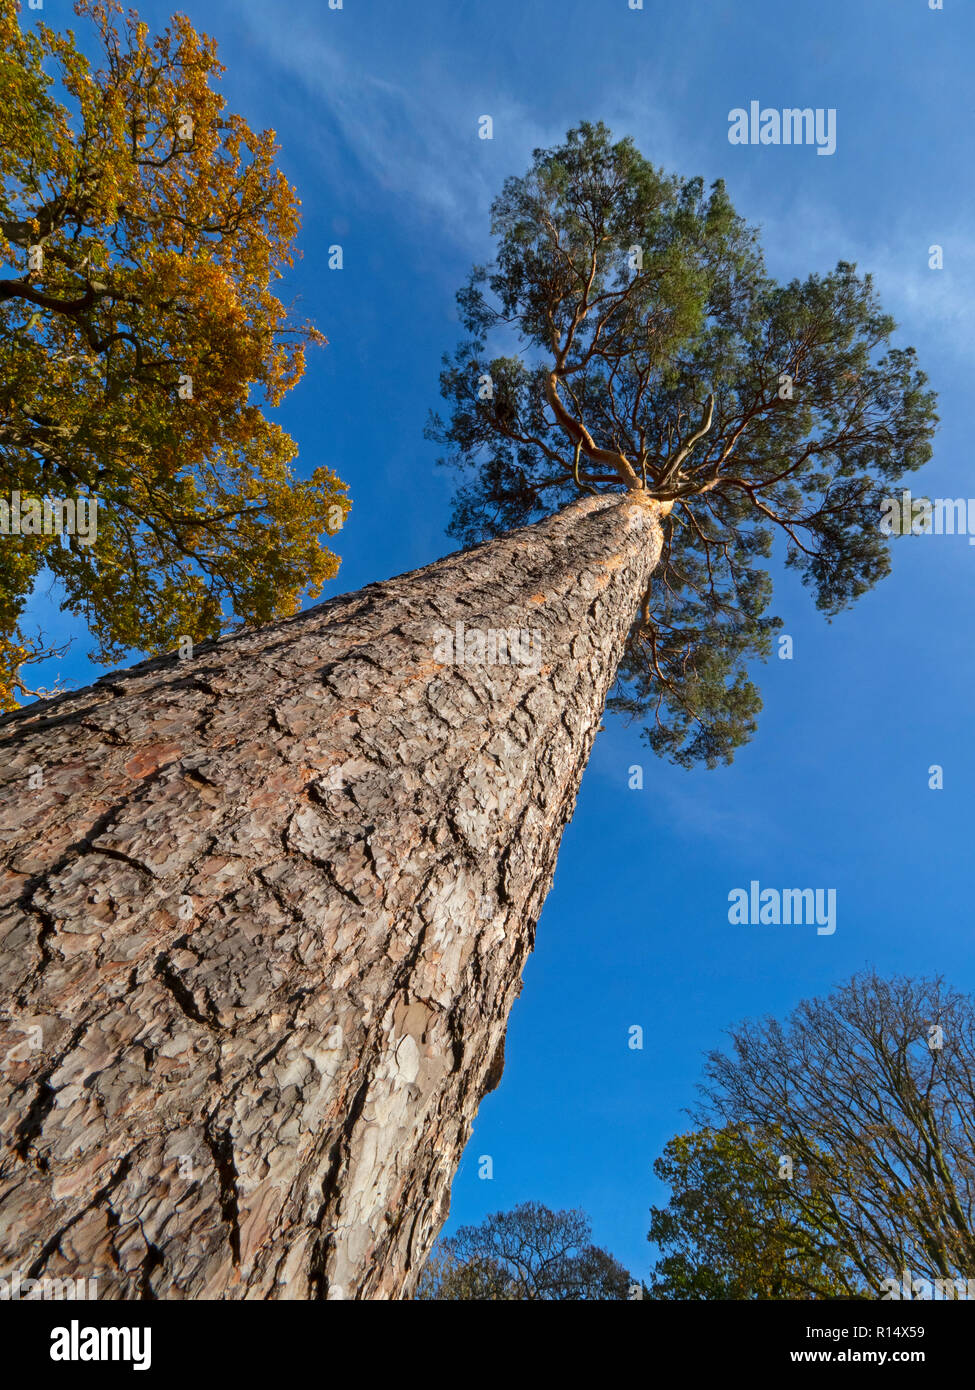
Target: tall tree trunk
265	912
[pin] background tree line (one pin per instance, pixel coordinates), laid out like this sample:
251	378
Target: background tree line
832	1152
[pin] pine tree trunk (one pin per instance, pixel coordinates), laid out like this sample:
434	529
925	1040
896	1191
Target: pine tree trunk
265	912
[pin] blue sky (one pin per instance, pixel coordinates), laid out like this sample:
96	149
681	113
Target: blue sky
376	107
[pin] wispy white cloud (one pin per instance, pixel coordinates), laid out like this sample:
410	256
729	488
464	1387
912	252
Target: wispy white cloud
933	307
419	141
699	806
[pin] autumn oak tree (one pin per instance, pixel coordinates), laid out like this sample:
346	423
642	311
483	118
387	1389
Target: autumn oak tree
142	230
272	905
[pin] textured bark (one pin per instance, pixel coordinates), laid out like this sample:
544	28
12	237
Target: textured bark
264	918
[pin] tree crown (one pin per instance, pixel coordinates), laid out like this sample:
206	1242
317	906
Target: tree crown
654	354
528	1253
870	1093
